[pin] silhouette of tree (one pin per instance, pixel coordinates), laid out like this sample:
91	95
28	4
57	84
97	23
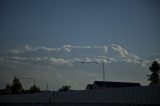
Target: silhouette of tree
6	91
16	86
154	77
34	89
65	88
8	86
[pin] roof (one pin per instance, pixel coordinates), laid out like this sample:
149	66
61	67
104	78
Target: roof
115	84
89	86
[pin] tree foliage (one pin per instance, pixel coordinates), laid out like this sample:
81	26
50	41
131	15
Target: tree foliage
155	70
65	88
34	89
16	86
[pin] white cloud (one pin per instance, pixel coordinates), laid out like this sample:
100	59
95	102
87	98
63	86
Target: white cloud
125	55
98	59
50	60
88	60
122	55
28	48
46	49
67	48
106	49
106	59
123	52
132	58
76	60
59	61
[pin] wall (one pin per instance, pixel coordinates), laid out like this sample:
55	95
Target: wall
127	96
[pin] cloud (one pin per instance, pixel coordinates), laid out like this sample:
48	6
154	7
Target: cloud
28	48
49	60
122	55
59	61
126	56
66	48
16	51
106	59
132	58
105	48
97	60
123	52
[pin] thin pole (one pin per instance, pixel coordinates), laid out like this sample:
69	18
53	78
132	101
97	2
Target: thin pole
103	76
47	87
103	72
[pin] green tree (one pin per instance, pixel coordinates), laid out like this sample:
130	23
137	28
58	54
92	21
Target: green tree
65	88
16	86
34	89
154	77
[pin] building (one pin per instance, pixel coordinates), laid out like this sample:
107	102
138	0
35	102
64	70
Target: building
110	84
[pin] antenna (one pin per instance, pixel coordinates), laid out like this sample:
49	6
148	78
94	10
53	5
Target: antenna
47	87
102	64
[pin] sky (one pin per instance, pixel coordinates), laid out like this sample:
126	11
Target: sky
49	39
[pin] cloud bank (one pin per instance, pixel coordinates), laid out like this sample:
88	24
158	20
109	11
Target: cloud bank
123	54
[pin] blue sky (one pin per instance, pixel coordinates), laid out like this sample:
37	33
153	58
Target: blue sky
47	39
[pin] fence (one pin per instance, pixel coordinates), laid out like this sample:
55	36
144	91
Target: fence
126	96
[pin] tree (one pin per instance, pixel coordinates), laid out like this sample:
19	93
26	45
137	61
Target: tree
8	88
16	86
6	91
34	89
65	88
154	77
